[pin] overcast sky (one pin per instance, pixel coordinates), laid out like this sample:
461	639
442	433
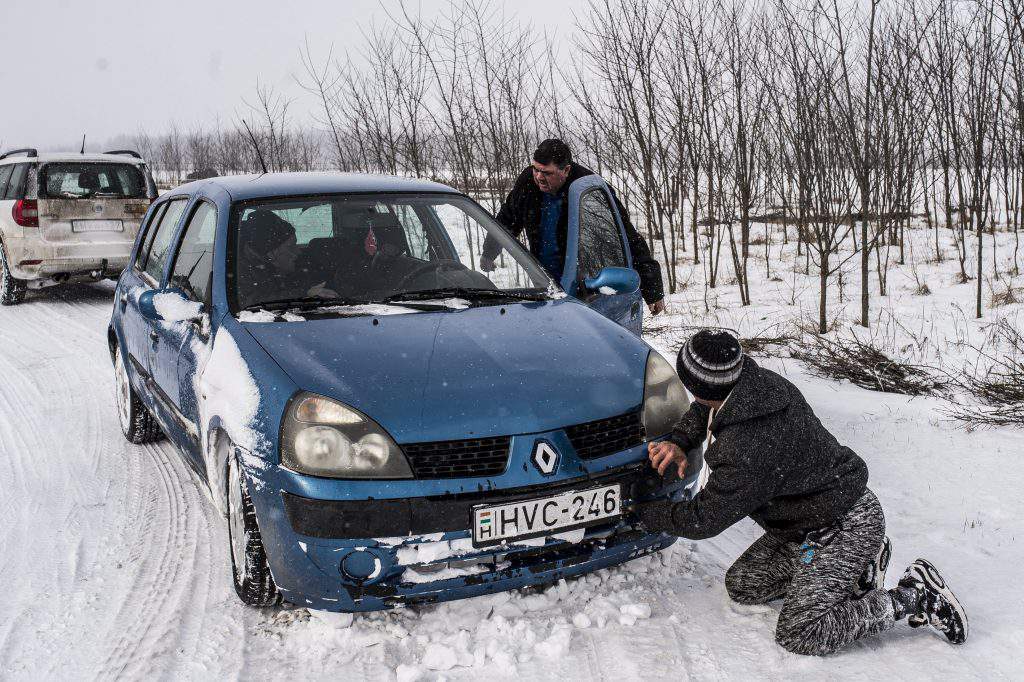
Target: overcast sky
107	67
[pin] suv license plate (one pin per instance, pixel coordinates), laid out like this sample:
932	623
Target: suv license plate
545	516
97	226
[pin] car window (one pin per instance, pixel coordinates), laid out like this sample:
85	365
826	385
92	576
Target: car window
313	222
160	245
381	246
16	187
5	177
600	240
80	180
193	264
148	232
415	232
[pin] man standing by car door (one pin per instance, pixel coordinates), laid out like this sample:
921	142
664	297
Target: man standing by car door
538	204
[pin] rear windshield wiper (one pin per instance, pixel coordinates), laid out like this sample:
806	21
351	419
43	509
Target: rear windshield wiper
307	302
470	294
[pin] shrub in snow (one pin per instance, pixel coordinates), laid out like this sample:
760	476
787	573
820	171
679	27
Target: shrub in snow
861	363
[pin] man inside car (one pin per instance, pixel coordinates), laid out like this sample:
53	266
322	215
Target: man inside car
269	253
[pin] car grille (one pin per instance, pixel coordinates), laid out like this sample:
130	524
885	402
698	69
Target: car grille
458	458
606	436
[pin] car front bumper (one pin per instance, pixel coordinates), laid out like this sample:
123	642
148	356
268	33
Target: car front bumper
419	549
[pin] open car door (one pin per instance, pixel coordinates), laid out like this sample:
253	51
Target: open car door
598	265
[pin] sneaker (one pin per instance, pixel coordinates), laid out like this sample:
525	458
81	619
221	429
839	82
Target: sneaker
873	577
938	607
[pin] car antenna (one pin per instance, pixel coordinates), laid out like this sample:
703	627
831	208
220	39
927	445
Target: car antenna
83	144
255	146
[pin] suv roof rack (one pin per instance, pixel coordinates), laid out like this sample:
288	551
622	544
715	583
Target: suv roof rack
27	151
122	152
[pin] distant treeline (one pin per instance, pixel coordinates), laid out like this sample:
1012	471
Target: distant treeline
839	120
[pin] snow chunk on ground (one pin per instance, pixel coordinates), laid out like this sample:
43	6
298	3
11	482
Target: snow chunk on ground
440	657
408	673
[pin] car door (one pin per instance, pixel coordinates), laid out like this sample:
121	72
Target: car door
178	346
596	239
145	274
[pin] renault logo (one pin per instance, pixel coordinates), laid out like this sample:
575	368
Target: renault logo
545	457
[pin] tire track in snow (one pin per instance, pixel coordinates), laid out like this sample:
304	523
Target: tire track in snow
130	584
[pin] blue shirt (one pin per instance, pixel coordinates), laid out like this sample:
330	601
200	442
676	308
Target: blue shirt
551	256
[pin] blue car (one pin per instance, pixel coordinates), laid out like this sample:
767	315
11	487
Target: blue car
380	421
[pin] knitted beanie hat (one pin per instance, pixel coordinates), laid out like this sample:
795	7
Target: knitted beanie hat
266	231
709	364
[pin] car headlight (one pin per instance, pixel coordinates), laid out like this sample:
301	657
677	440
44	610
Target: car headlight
323	437
665	399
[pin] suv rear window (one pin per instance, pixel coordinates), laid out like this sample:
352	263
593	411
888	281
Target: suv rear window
92	181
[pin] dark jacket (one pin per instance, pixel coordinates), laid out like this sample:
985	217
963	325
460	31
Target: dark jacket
771	460
521	211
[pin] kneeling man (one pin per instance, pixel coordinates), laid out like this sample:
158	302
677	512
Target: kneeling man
824	548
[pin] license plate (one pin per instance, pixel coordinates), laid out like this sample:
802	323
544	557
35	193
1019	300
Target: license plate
97	226
528	519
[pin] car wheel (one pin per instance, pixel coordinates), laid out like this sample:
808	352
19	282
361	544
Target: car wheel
12	289
249	568
137	424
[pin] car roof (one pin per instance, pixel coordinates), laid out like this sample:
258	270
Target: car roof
244	187
47	157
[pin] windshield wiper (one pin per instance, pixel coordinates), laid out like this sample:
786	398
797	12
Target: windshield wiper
307	302
469	294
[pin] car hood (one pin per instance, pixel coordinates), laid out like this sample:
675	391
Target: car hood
477	372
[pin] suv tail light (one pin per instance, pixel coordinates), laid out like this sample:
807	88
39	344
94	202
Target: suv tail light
26	212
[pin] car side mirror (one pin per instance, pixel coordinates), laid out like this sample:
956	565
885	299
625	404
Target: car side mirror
169	305
611	281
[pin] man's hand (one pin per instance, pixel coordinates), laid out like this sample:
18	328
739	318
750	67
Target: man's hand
663	454
486	264
322	291
657	307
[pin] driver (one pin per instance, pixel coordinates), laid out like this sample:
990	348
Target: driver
269	250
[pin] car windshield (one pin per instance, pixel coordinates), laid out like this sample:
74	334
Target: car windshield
93	180
374	248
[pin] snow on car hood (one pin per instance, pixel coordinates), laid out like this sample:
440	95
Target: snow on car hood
467	373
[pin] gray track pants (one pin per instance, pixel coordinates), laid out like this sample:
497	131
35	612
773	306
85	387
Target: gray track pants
820	614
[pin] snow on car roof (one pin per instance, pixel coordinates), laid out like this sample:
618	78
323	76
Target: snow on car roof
242	187
71	157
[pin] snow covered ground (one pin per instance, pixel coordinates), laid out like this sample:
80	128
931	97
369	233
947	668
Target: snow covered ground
113	563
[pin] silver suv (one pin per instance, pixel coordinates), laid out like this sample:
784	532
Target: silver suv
68	216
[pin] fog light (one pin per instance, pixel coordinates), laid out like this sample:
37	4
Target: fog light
360	565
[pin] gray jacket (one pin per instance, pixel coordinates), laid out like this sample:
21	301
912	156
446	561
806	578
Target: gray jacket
771	460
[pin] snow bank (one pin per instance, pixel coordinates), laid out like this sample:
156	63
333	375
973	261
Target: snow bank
515	633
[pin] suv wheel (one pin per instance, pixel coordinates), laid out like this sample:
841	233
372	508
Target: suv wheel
12	289
249	568
137	424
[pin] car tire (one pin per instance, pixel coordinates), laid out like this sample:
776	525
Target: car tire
137	423
250	571
12	289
